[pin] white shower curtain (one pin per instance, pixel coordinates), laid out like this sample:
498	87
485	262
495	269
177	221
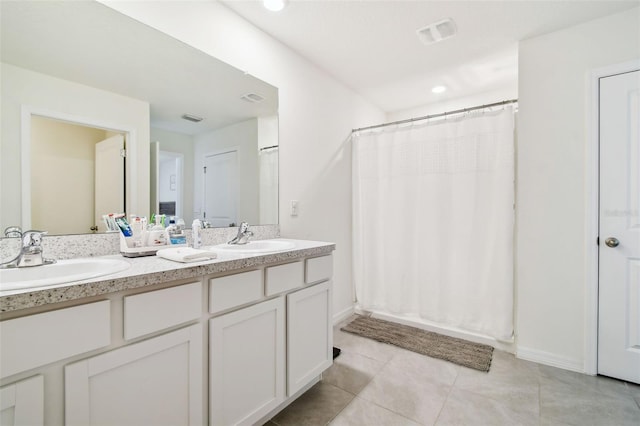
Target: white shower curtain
433	221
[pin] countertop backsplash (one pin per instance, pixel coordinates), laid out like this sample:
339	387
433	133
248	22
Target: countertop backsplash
72	246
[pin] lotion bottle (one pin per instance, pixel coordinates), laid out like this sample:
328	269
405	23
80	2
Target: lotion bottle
196	227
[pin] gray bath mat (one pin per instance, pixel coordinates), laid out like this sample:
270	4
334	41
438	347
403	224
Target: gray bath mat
458	351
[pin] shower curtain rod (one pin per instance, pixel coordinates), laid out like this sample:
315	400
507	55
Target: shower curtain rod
442	114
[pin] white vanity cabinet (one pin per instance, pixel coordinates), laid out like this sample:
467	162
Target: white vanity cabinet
124	386
221	348
22	403
309	335
310	325
155	382
247	363
265	353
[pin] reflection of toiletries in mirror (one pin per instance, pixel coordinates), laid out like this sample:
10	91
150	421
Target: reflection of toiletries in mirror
124	226
175	231
110	223
137	230
157	235
196	227
170	231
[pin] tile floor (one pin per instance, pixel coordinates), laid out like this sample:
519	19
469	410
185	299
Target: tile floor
374	384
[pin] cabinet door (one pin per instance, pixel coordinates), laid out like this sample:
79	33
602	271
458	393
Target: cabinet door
247	363
309	335
22	403
154	382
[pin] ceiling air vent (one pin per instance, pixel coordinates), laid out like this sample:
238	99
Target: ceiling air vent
438	31
192	118
252	98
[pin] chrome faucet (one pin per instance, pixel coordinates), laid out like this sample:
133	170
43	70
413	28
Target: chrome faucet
30	253
13	232
243	234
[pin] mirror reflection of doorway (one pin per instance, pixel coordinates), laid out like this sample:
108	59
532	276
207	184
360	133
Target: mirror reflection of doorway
71	162
170	178
220	188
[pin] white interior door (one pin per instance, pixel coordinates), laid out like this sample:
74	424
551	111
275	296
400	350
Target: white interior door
619	250
109	175
220	188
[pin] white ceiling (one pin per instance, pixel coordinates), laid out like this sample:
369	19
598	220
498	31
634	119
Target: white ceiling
372	46
76	41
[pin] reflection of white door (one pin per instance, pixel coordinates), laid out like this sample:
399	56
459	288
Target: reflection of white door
220	188
619	251
109	174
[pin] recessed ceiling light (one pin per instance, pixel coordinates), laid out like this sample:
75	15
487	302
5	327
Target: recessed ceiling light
274	5
439	89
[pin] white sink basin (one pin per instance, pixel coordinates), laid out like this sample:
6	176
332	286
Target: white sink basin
259	246
63	271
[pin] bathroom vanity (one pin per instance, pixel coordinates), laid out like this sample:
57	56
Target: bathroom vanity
220	342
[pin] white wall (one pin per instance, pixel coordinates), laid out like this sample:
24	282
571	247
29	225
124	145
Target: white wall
22	87
168	169
242	136
316	114
507	92
267	131
552	181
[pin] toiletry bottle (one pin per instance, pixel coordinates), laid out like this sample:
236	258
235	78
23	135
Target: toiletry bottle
178	236
170	230
157	236
137	230
174	234
196	227
145	232
123	225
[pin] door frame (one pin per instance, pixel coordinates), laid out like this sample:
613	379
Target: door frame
131	190
592	222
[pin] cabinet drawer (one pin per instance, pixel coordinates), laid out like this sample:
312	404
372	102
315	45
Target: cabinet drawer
318	269
283	277
154	311
234	290
40	339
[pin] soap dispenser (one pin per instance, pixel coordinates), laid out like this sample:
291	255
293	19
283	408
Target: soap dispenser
157	235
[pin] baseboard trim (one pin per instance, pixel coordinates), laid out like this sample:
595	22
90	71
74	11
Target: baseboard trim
550	359
342	315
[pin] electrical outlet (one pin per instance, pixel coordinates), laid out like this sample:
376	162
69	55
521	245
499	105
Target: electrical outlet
294	207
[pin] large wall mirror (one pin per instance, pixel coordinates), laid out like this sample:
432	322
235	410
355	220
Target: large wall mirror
199	137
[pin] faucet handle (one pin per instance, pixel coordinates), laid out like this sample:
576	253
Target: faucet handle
13	232
32	237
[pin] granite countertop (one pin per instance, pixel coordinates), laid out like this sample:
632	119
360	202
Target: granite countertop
151	270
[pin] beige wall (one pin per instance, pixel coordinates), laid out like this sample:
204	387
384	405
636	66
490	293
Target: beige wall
62	171
27	89
553	179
